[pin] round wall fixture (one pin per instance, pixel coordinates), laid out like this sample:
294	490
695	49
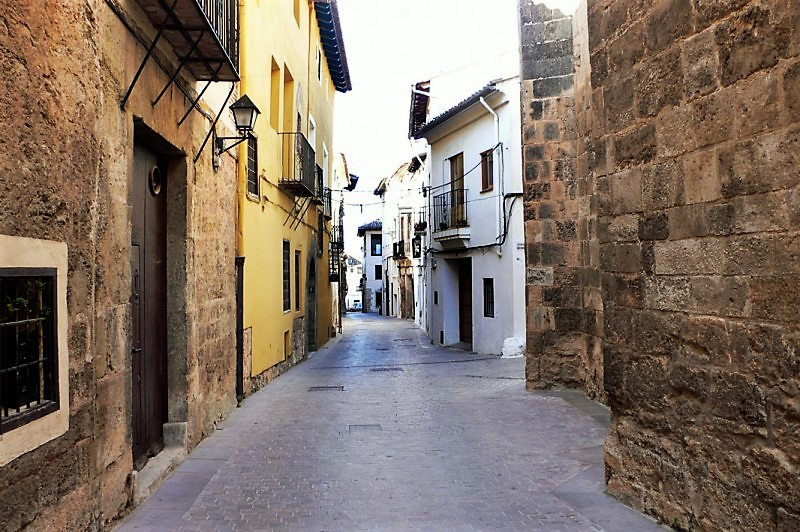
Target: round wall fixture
154	180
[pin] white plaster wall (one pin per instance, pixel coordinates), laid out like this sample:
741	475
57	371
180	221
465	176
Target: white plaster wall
369	270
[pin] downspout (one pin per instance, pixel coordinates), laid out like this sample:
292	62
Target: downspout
500	209
239	259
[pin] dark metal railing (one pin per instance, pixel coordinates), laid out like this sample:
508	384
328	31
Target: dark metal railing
298	165
223	16
450	210
399	249
335	256
327	203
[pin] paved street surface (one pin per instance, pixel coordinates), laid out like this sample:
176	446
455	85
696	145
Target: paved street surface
382	431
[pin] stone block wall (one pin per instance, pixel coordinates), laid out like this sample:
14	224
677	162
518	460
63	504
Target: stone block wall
65	162
565	320
688	131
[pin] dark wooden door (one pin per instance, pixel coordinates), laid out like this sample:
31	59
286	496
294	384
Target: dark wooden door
465	300
148	304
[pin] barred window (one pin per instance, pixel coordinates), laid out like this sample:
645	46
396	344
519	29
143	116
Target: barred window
488	297
297	280
287	286
252	166
28	347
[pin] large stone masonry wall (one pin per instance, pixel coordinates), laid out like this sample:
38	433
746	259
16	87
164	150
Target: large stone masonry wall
563	289
689	127
65	165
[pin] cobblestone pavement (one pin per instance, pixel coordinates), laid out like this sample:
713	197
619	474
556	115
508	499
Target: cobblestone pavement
382	431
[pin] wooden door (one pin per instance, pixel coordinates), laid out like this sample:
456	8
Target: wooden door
465	300
148	304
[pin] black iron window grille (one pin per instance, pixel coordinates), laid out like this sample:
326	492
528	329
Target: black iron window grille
297	280
416	247
450	210
28	346
287	287
252	166
488	297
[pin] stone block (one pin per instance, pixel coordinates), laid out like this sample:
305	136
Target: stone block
774	475
618	102
701	181
553	87
669	21
673	138
667	293
712	120
710	11
622	228
786	521
775	298
687	378
700	65
753	39
768	162
636	146
758	104
763	255
791	88
697	256
624	52
626	191
654	227
558	29
658	83
721	296
662	185
539	276
734	397
537	69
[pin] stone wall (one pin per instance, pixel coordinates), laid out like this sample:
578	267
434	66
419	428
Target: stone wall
65	163
688	131
563	286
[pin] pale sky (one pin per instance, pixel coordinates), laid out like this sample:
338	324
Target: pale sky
390	46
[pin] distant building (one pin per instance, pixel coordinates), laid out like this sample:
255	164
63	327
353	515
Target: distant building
353	271
404	235
476	266
371	284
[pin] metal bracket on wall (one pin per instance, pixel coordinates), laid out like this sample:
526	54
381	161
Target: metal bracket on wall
299	209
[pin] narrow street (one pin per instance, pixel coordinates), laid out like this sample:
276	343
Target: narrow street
381	431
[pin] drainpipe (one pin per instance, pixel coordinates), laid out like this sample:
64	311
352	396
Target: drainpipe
500	209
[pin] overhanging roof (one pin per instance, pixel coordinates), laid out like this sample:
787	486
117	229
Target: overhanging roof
463	105
330	32
206	42
418	112
371	226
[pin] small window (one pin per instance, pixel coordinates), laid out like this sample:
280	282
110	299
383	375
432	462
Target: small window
287	290
487	170
312	132
28	346
319	65
488	297
375	245
275	96
435	297
297	280
378	272
252	166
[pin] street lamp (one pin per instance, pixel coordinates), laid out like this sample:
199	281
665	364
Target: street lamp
245	113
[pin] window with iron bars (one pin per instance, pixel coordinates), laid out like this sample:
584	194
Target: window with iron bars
488	297
28	347
252	166
287	287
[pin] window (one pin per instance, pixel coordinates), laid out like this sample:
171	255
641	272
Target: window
457	172
416	247
488	297
252	166
28	347
287	291
312	133
288	100
34	351
487	170
319	65
275	96
378	272
435	297
297	280
375	245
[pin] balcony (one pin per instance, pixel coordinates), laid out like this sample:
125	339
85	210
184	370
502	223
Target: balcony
298	166
320	190
399	250
335	255
203	33
450	222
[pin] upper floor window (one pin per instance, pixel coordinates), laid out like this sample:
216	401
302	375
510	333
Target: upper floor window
375	245
252	166
28	346
487	170
287	286
378	272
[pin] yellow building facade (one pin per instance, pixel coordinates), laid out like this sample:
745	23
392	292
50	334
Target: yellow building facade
292	63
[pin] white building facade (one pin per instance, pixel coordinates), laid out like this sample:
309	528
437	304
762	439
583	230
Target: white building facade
476	259
353	273
371	285
404	236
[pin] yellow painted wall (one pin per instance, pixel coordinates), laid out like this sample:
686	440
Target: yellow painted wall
270	32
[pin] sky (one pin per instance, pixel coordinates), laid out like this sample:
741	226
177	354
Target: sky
390	46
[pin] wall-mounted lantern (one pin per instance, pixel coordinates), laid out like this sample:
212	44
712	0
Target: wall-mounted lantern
245	114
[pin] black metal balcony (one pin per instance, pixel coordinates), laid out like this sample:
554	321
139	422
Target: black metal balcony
335	256
320	190
298	166
450	210
399	249
203	33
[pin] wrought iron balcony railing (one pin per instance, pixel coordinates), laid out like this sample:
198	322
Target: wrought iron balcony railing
450	210
223	16
327	203
299	175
